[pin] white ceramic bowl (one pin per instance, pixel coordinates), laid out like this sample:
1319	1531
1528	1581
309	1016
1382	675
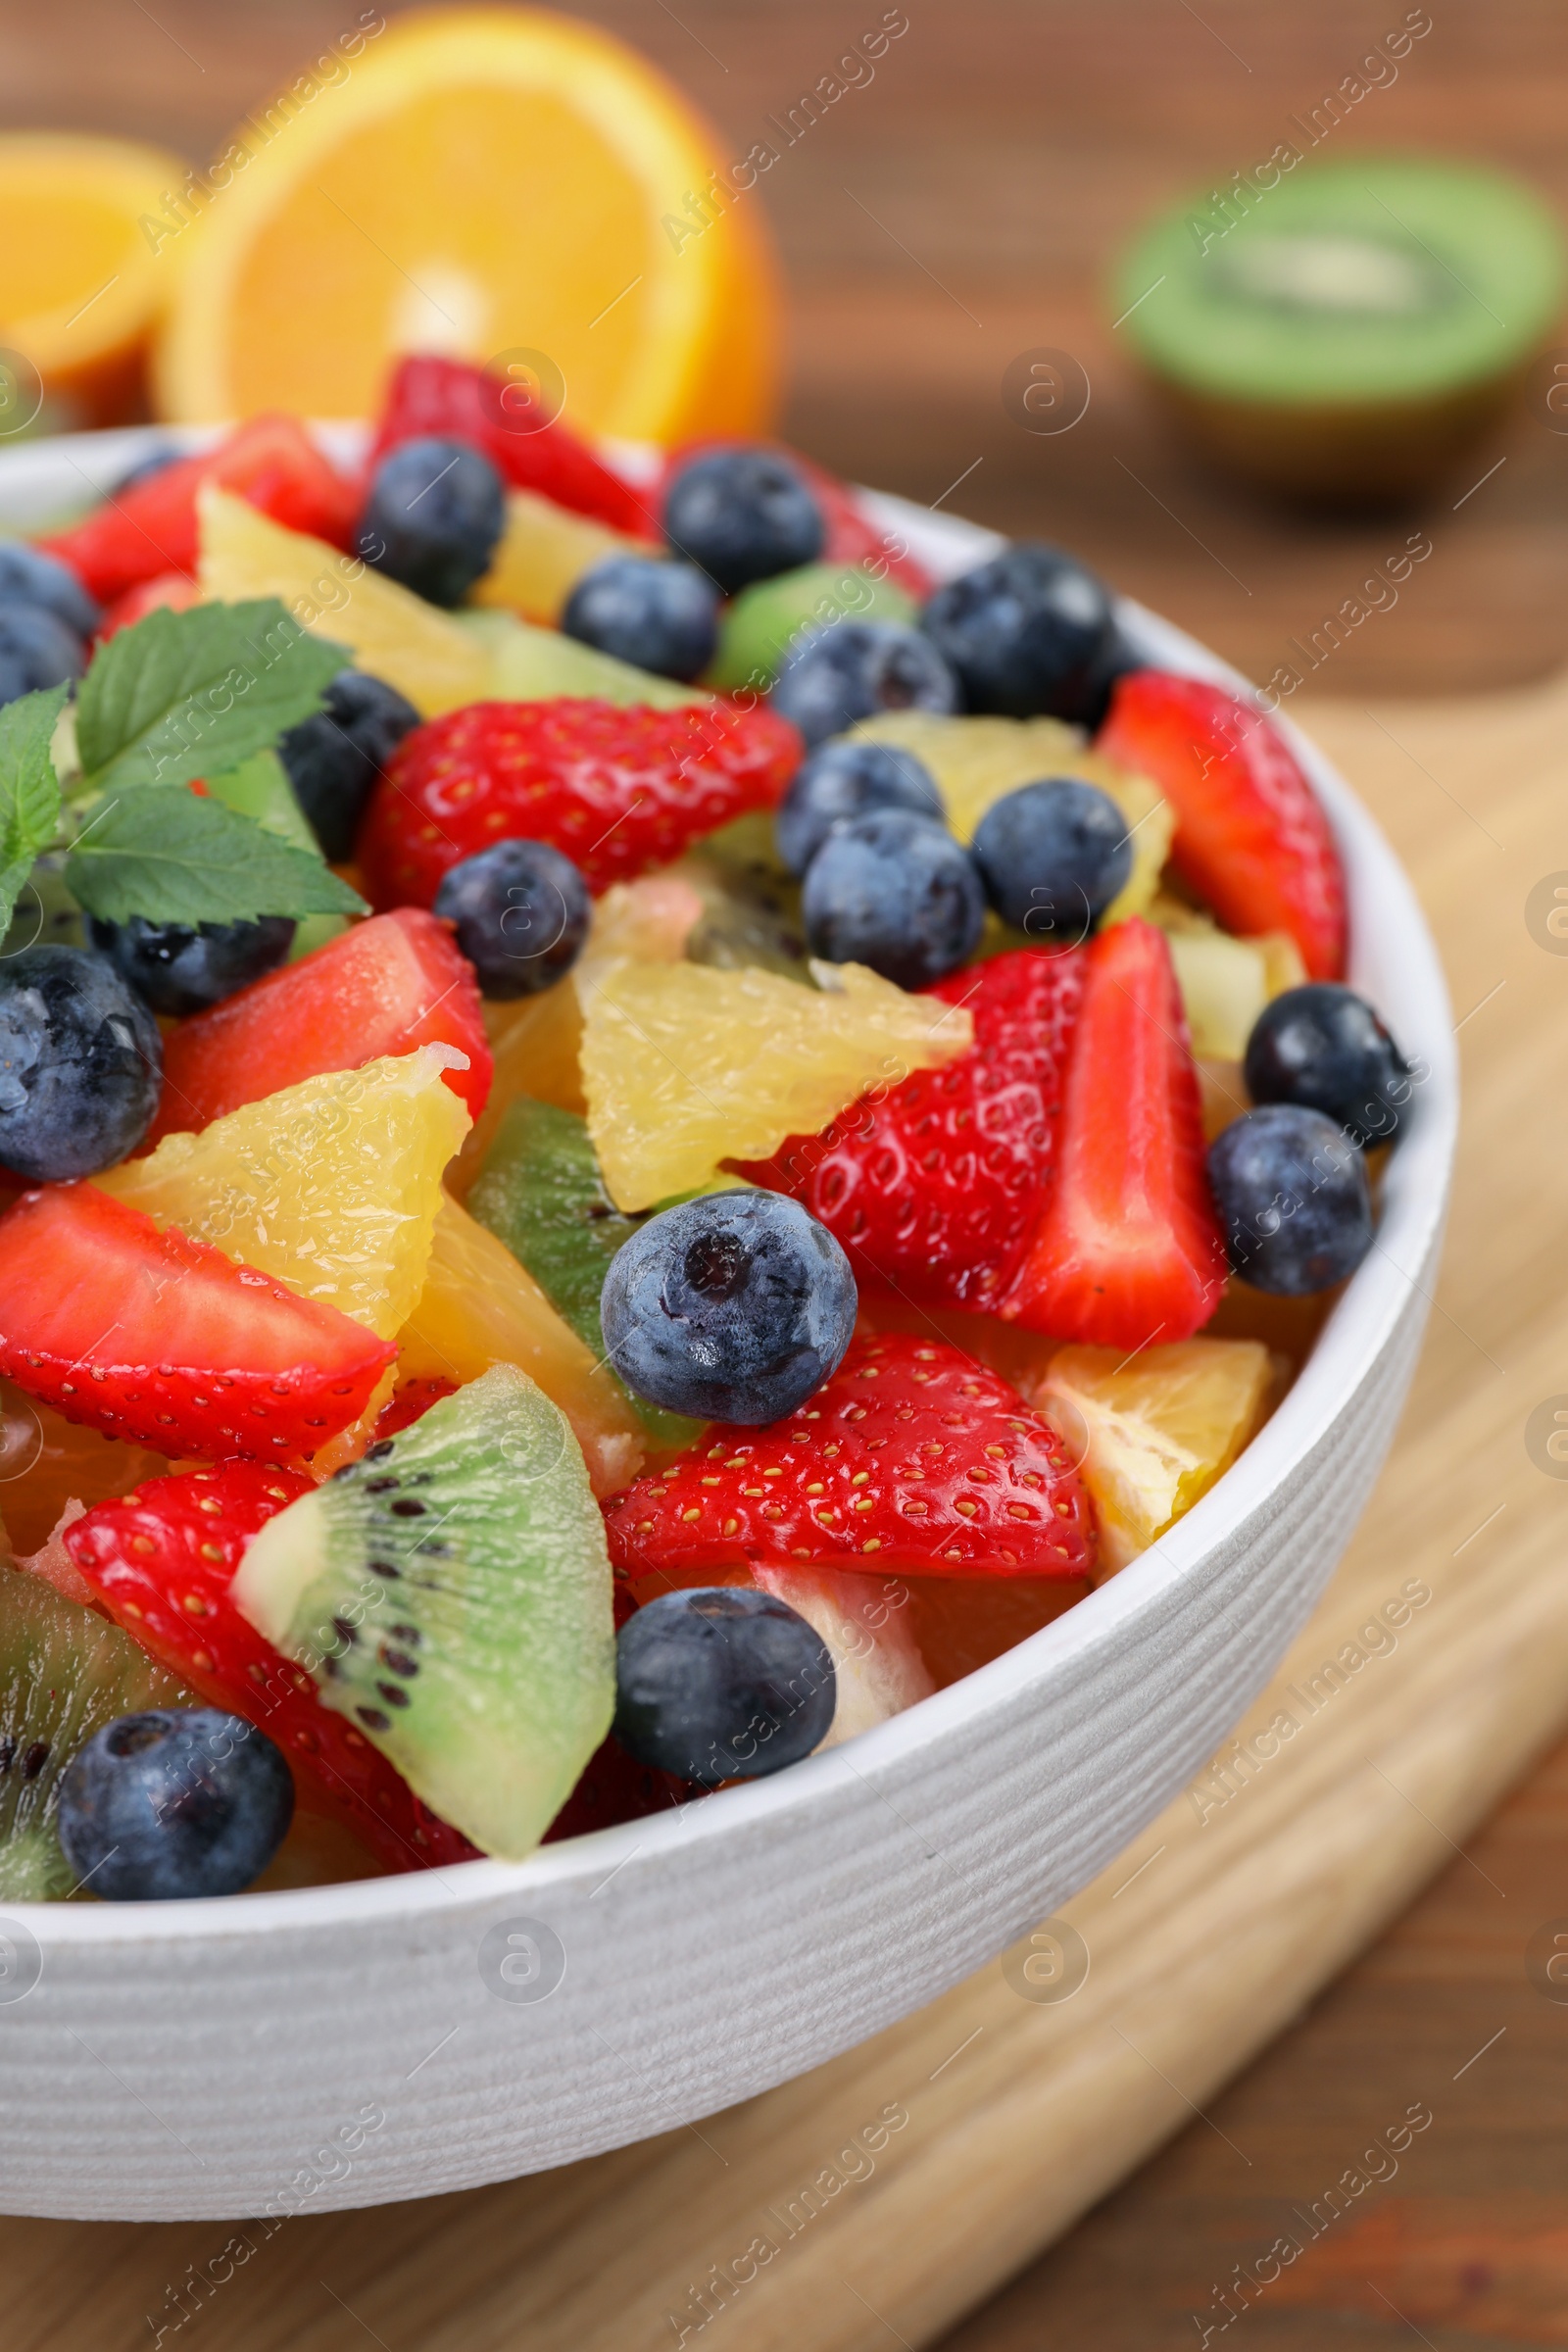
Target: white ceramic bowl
170	2061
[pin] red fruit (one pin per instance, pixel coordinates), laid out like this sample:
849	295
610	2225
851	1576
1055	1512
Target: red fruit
1250	837
938	1185
177	589
162	1559
851	535
428	394
614	1788
162	1340
1129	1249
408	1402
151	528
383	987
617	790
913	1458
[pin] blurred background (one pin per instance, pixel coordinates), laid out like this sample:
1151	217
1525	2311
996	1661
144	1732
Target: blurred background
968	205
961	209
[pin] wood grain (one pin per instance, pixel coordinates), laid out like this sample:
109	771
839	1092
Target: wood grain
964	208
1204	1941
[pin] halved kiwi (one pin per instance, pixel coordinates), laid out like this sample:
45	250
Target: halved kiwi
1344	330
65	1672
449	1593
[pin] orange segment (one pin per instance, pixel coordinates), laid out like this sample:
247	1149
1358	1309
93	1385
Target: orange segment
543	554
483	182
81	279
480	1307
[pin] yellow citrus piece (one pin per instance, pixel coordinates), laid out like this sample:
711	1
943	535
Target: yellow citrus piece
1225	982
684	1066
543	554
496	183
537	1043
480	1307
529	663
1159	1428
975	761
332	1185
389	630
81	284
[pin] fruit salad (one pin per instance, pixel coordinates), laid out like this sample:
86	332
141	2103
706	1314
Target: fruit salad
631	1135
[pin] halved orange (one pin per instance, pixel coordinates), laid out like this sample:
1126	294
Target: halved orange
81	278
489	182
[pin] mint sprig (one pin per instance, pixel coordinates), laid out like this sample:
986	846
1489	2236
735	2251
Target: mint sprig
176	697
188	694
29	790
194	861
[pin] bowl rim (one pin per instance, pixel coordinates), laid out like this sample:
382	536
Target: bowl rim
1362	1319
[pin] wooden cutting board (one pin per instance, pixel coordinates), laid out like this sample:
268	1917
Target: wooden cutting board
883	2195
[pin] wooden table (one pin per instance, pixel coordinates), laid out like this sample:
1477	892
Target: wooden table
959	211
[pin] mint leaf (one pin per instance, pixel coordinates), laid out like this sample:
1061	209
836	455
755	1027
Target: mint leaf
29	790
174	858
186	694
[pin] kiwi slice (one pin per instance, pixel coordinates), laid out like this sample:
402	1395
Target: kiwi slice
759	625
751	902
540	1192
449	1593
1348	329
65	1672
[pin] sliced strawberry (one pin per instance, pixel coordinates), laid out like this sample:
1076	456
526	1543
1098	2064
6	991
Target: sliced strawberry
383	987
938	1185
176	589
162	1559
913	1457
136	534
613	1789
162	1340
1129	1249
617	790
1250	836
410	1400
428	394
852	536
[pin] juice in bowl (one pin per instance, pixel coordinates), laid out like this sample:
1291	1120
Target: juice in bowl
698	1168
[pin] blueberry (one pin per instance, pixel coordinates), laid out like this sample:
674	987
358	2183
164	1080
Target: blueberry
723	1685
849	669
662	616
28	576
36	648
157	461
1323	1046
521	912
733	1307
335	757
81	1064
177	1803
434	517
1031	631
844	780
183	967
894	892
1294	1199
1052	855
743	514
